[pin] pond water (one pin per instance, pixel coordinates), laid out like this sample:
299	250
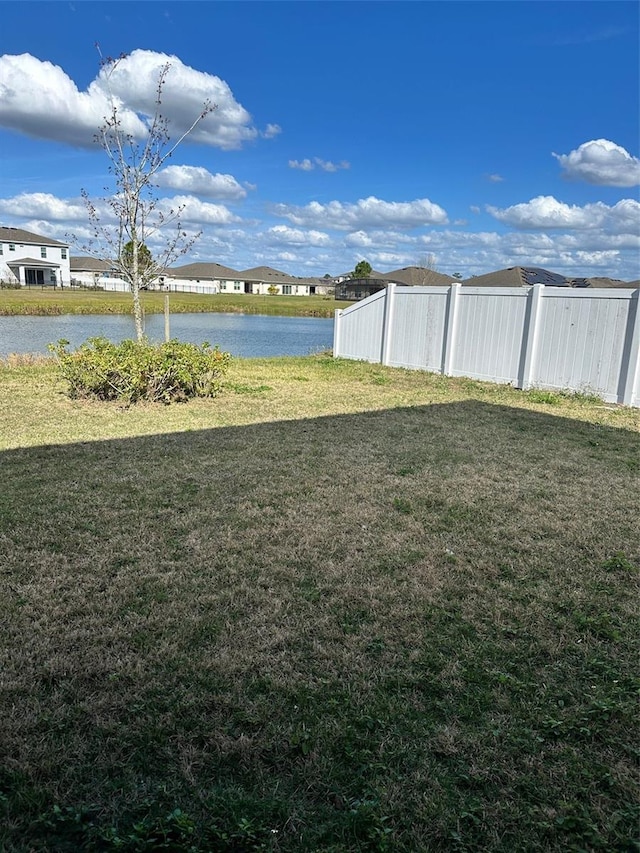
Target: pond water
243	335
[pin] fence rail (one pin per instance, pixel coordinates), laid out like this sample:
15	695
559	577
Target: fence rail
584	341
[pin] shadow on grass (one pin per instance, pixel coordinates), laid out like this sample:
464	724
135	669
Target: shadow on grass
404	630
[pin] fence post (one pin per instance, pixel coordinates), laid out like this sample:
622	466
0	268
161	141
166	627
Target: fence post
451	329
387	328
633	362
530	334
337	322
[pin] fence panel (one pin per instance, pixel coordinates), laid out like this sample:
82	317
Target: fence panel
582	341
558	338
490	334
418	336
358	330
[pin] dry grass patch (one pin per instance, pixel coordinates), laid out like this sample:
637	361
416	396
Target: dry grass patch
340	608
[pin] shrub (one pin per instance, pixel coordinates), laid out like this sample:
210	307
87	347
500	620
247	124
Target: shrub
131	371
9	285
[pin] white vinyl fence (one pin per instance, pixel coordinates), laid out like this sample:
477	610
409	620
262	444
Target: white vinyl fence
584	341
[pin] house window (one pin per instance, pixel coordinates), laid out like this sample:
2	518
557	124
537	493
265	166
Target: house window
63	254
237	285
1	249
43	251
12	247
286	290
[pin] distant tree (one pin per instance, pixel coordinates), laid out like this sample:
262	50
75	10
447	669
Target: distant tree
363	270
135	212
427	261
326	275
147	269
427	264
457	275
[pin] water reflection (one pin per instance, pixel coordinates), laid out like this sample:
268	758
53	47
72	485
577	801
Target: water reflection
244	335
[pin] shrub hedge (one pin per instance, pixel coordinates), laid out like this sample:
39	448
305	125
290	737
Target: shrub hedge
131	371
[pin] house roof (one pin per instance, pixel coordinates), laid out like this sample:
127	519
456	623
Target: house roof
87	264
526	276
418	276
499	278
517	277
32	262
599	281
18	235
266	274
204	270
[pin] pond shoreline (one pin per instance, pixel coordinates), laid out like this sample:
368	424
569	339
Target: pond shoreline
14	303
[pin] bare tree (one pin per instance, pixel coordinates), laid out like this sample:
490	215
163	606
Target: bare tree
121	236
427	261
426	264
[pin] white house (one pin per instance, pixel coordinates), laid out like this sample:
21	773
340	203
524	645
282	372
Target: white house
258	281
265	280
203	277
32	260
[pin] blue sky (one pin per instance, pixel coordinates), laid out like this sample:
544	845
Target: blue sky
468	135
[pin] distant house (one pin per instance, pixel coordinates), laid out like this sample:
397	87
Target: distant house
202	277
419	277
265	280
353	289
91	272
517	277
528	276
601	281
32	260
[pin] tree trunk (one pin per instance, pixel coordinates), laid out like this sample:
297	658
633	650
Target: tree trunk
137	312
135	287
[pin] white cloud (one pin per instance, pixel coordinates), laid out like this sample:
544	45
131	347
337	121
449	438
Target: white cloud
39	99
44	206
198	212
611	248
361	239
304	165
495	179
294	236
308	165
388	260
198	180
548	212
364	213
601	162
271	130
328	166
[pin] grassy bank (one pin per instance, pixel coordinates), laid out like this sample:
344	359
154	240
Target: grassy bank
47	302
340	608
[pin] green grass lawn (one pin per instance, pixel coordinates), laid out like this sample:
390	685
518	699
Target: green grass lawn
339	608
51	301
